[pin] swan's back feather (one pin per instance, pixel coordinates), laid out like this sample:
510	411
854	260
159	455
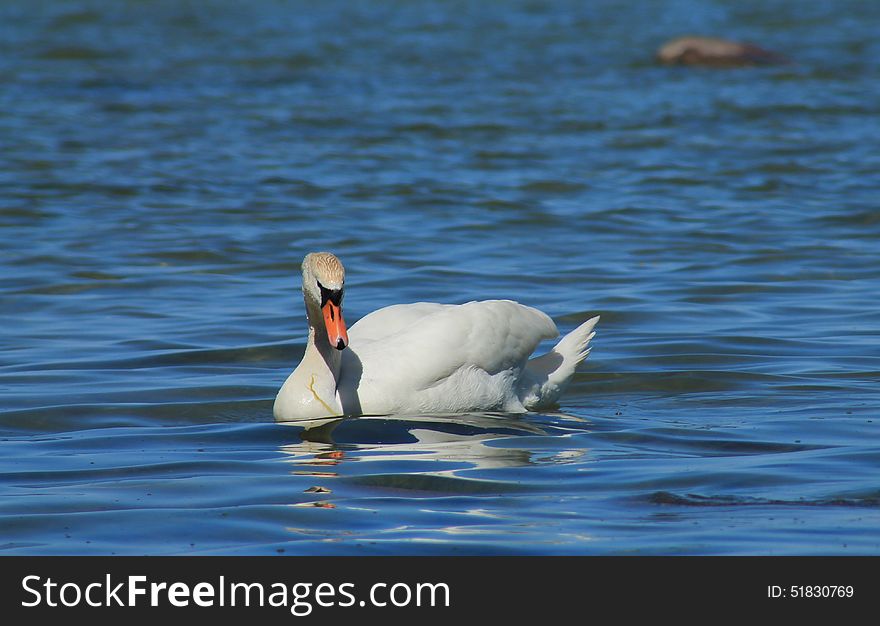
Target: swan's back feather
432	354
391	320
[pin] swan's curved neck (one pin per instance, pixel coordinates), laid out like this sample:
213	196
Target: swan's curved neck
319	346
310	391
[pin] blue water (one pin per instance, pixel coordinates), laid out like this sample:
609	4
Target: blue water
164	167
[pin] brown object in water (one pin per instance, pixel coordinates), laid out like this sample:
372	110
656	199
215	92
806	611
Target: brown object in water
317	489
714	52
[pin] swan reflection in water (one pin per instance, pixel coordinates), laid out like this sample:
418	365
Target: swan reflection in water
427	446
439	478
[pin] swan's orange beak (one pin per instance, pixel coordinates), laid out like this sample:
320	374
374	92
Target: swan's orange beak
336	331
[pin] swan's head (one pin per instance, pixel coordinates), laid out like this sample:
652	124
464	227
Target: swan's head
323	284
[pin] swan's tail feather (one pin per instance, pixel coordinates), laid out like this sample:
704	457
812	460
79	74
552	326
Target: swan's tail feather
575	345
547	376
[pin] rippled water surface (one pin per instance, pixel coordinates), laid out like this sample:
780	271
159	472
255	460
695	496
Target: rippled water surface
166	165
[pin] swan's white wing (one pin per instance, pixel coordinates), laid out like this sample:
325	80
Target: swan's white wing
440	350
391	320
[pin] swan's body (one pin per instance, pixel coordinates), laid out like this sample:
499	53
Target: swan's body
423	357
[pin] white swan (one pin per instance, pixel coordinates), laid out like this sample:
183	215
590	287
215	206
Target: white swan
424	357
